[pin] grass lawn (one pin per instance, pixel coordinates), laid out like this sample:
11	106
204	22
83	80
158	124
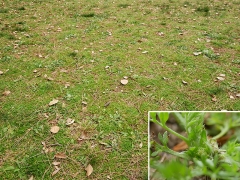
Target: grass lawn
175	54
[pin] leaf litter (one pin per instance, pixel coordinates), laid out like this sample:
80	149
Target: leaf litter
89	170
55	129
69	121
124	81
53	102
60	156
6	93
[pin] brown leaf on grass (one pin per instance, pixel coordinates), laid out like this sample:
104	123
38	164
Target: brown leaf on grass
69	121
214	98
6	93
180	146
84	103
141	145
184	82
238	95
31	178
84	109
54	129
220	78
231	97
50	79
55	163
35	71
124	81
197	53
89	170
60	156
1	72
53	102
67	84
56	170
63	71
160	33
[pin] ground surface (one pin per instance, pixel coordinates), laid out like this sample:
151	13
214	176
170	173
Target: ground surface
177	55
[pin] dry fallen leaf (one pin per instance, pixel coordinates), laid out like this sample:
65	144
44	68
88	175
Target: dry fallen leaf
54	129
160	33
184	82
197	53
144	52
1	72
60	156
35	71
6	93
55	163
84	109
89	170
231	97
69	121
124	81
222	75
140	145
175	64
31	178
180	146
220	78
238	95
67	85
214	98
63	71
50	79
53	102
84	103
56	170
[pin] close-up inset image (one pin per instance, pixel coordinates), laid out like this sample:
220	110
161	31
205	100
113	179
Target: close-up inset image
194	145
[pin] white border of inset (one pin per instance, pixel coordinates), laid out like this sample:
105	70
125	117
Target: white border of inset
170	112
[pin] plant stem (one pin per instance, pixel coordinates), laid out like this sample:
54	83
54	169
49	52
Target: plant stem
175	133
223	131
180	155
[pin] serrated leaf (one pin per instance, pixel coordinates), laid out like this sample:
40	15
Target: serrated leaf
165	138
160	137
155	153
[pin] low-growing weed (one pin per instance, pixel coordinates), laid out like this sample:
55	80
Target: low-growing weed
204	156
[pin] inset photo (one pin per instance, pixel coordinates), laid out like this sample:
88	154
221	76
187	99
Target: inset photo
194	145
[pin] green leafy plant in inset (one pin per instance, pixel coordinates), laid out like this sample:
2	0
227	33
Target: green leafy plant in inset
209	160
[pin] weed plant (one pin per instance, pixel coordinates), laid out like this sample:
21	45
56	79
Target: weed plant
203	156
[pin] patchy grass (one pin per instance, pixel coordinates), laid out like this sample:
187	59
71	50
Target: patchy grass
78	51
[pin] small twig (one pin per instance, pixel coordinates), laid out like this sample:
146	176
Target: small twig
56	144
